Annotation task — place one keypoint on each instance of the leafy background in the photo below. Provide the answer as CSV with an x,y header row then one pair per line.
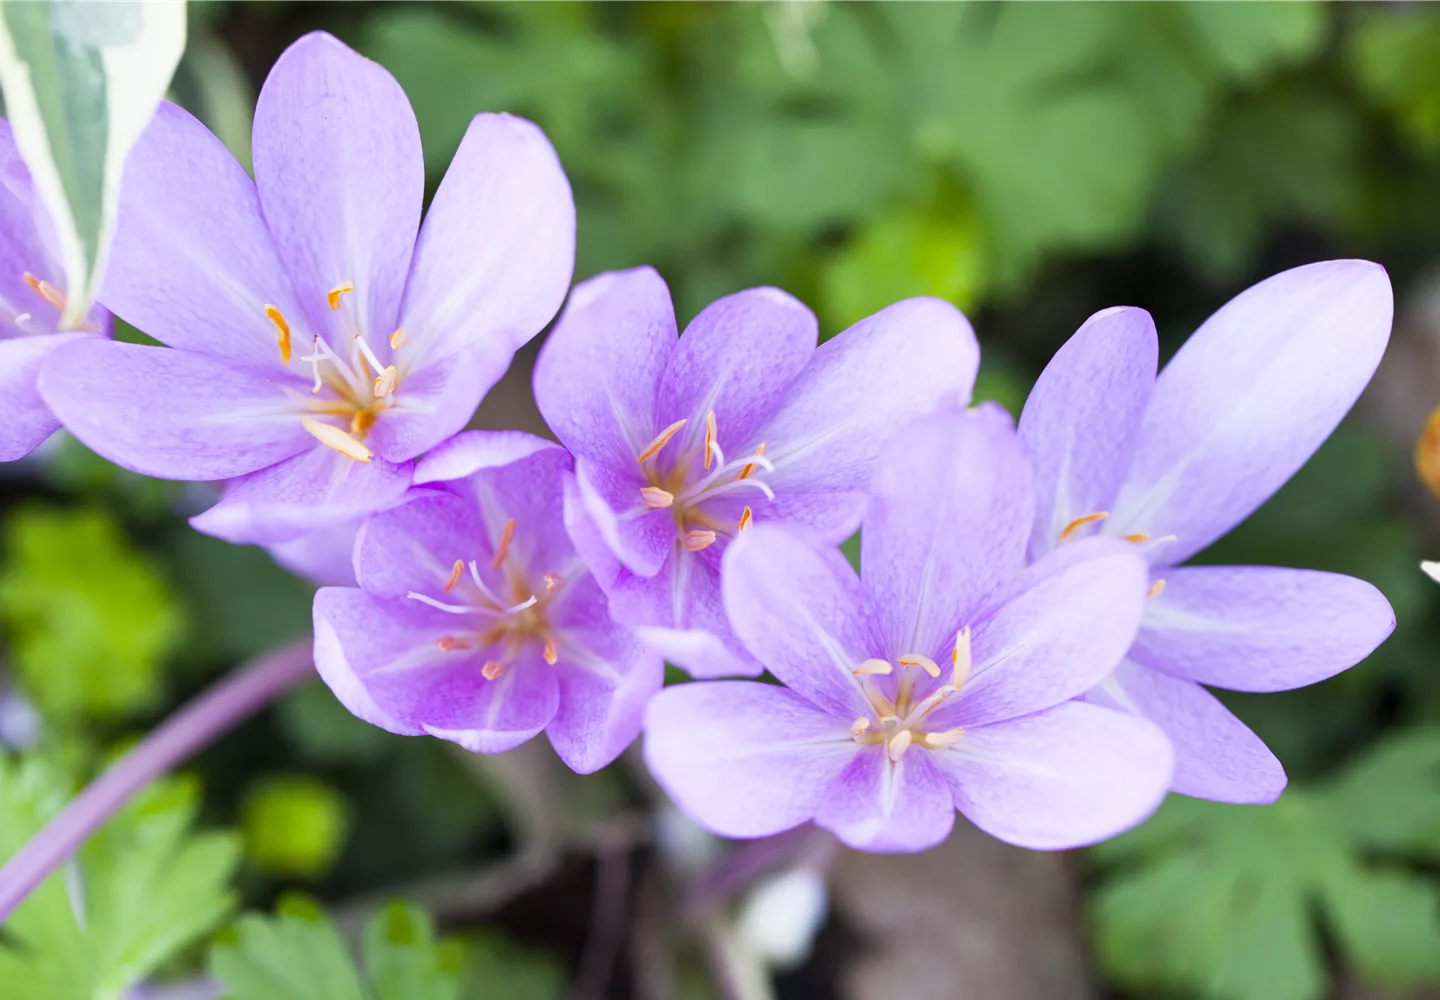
x,y
1032,163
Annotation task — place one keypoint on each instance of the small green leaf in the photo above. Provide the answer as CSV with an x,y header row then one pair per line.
x,y
89,618
81,82
140,890
299,955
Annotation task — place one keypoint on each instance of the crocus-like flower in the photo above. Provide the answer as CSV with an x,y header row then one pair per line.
x,y
316,345
938,680
476,621
1171,464
31,302
682,444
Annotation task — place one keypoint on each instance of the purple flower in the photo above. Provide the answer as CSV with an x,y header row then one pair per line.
x,y
1173,463
316,344
30,306
938,680
476,621
679,444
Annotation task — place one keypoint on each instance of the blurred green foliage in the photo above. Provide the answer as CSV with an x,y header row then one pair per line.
x,y
299,954
140,890
293,824
89,618
1222,900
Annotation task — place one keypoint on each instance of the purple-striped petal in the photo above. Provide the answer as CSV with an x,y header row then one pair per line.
x,y
640,538
25,420
1067,777
736,358
473,451
951,504
804,615
1216,755
906,361
1260,628
743,759
1249,398
1055,632
315,489
170,413
597,374
606,678
193,263
437,400
341,178
414,545
890,806
1082,416
497,249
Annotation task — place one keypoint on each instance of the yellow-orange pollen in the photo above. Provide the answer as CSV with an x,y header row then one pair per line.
x,y
361,387
672,485
900,722
502,617
45,290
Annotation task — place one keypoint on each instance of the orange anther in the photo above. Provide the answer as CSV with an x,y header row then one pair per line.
x,y
868,668
492,669
1156,589
746,516
709,437
699,538
448,643
333,437
653,448
1137,537
399,338
1080,522
553,581
859,725
550,653
745,472
503,549
655,497
282,332
333,296
385,383
455,572
45,290
923,662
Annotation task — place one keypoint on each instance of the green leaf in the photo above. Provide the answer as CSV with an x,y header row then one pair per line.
x,y
140,890
81,82
498,970
89,618
299,955
294,825
1221,901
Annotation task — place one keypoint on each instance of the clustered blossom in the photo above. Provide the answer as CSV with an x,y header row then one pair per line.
x,y
1020,644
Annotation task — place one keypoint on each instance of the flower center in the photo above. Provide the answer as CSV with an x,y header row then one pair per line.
x,y
902,722
698,475
356,389
509,613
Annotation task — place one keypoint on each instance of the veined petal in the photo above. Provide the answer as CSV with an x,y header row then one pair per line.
x,y
1260,628
1249,398
736,359
743,759
193,263
1082,416
437,400
341,178
1070,776
315,489
498,246
951,505
474,451
906,361
25,420
596,377
641,539
413,546
891,806
325,556
606,678
1054,633
1216,755
803,614
491,716
349,621
170,413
